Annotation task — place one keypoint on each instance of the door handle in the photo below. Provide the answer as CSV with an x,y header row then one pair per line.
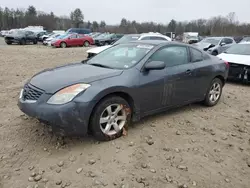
x,y
189,72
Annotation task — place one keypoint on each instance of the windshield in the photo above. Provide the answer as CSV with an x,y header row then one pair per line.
x,y
127,38
213,41
239,49
122,56
245,39
63,36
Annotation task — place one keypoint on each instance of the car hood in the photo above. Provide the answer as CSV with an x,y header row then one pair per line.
x,y
52,80
234,58
204,45
98,49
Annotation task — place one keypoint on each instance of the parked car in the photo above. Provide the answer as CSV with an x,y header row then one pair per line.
x,y
44,37
215,45
52,37
238,57
3,33
130,37
245,39
79,30
73,40
108,39
124,83
21,37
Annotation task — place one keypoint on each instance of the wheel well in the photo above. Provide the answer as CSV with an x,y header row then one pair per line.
x,y
222,79
123,95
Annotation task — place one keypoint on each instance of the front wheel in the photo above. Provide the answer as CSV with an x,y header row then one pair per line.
x,y
63,45
8,42
214,92
35,41
86,44
109,118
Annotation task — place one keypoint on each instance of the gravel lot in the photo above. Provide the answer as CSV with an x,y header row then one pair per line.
x,y
191,146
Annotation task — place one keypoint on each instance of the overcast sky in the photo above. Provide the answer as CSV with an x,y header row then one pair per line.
x,y
140,10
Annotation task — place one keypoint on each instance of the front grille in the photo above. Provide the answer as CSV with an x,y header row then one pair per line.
x,y
239,71
30,92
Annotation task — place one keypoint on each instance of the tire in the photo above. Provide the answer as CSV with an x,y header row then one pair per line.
x,y
8,42
215,53
212,101
63,45
35,41
110,119
86,44
22,42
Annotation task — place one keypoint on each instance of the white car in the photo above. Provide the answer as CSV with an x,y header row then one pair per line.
x,y
130,37
52,37
238,57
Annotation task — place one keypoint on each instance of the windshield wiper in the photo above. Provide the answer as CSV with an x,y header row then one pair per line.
x,y
100,65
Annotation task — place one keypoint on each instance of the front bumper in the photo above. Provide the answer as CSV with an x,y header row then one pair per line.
x,y
239,72
67,119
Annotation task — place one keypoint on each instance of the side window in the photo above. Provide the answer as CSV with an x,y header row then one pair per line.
x,y
145,38
228,41
157,38
172,56
196,55
73,36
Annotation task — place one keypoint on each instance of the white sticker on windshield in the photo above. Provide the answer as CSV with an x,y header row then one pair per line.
x,y
145,46
126,66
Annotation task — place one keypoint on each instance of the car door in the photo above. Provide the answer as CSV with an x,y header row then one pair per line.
x,y
202,72
72,41
171,86
225,44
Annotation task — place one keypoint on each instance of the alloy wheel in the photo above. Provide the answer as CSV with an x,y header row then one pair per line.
x,y
113,119
214,93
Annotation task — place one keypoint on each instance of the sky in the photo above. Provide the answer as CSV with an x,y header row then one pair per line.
x,y
161,11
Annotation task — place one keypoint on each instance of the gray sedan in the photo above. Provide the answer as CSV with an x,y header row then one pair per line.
x,y
122,84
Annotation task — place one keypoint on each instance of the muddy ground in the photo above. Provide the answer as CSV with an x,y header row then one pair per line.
x,y
192,146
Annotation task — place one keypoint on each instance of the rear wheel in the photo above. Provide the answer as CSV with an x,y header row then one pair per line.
x,y
23,42
214,92
86,44
63,45
109,118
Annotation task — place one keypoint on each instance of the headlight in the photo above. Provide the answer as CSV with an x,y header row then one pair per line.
x,y
67,94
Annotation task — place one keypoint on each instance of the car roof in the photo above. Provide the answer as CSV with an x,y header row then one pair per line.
x,y
157,42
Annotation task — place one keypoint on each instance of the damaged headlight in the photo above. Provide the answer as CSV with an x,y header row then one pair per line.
x,y
67,94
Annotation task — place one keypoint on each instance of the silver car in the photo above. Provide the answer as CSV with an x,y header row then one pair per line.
x,y
215,45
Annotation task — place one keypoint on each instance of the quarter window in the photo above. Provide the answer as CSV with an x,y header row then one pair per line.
x,y
172,56
196,55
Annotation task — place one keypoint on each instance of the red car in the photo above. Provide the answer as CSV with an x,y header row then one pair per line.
x,y
73,40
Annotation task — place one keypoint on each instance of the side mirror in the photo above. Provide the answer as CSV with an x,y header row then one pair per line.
x,y
155,65
223,44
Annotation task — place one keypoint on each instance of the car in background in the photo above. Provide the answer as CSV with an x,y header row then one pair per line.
x,y
245,39
21,37
215,45
238,57
108,39
74,39
122,84
3,33
44,37
79,30
52,37
127,38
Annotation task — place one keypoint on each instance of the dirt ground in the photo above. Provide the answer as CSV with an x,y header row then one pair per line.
x,y
192,146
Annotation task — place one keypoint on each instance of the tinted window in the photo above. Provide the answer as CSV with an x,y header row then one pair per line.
x,y
228,41
196,55
73,36
157,38
174,55
145,38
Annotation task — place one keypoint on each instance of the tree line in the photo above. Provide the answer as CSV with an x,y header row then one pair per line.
x,y
218,25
